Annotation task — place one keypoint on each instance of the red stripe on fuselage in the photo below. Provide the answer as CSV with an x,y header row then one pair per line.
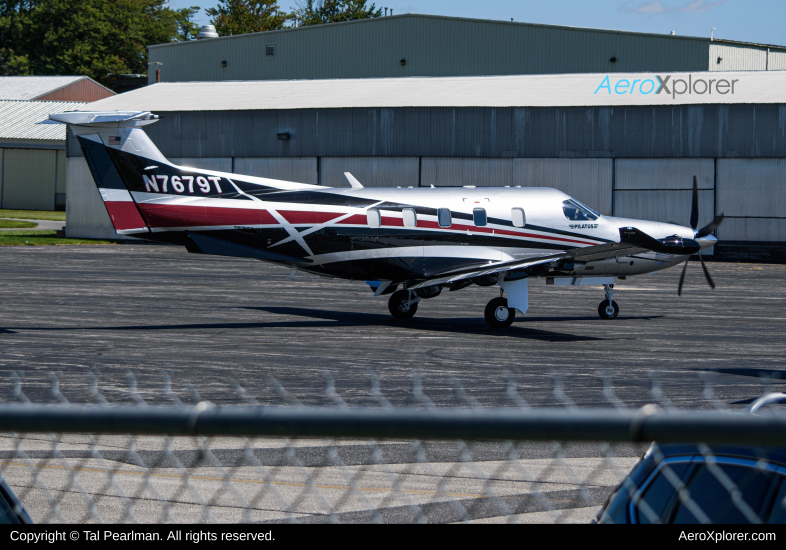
x,y
354,220
124,215
178,215
306,217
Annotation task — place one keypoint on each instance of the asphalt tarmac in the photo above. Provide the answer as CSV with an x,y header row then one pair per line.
x,y
132,314
111,310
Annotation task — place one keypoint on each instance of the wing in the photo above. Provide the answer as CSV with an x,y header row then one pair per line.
x,y
632,241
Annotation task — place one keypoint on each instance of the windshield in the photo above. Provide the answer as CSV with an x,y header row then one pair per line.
x,y
574,210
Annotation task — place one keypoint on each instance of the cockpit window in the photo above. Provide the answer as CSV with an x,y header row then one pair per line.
x,y
574,210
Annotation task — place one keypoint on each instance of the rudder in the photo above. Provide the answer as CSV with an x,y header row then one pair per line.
x,y
120,206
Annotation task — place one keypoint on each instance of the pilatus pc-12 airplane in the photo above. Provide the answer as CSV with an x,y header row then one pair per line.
x,y
409,243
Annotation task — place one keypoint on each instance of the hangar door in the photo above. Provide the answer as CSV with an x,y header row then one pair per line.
x,y
32,179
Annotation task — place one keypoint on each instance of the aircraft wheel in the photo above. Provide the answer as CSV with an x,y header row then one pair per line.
x,y
498,315
399,305
608,311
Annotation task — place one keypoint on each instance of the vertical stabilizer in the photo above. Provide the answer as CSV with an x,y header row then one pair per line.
x,y
100,132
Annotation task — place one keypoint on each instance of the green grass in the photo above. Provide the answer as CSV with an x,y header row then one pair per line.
x,y
41,237
16,223
33,215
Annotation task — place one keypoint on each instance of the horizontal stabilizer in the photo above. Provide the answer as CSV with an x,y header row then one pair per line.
x,y
220,247
108,119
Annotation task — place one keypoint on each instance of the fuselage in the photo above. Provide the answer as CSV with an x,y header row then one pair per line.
x,y
396,233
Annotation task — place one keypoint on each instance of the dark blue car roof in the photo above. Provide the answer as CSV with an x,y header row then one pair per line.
x,y
775,454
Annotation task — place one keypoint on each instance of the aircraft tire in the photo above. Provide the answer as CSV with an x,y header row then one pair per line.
x,y
397,305
603,311
496,311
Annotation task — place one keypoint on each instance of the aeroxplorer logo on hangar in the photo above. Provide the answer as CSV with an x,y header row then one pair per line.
x,y
667,84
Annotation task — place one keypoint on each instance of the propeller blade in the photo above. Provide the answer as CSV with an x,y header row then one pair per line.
x,y
710,227
706,272
682,278
694,210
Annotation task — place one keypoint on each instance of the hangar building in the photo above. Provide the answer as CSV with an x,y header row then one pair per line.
x,y
427,45
32,155
611,141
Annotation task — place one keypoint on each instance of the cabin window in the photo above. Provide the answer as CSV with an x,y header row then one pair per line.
x,y
575,211
410,218
443,217
518,217
373,218
479,216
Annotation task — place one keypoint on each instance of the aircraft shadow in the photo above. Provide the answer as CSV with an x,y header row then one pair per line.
x,y
753,373
594,318
460,325
314,318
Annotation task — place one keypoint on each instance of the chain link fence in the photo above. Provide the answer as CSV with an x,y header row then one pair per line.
x,y
114,452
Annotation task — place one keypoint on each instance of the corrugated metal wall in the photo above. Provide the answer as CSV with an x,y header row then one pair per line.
x,y
299,169
660,189
752,195
457,172
777,60
737,58
370,171
588,180
430,46
702,131
207,163
29,179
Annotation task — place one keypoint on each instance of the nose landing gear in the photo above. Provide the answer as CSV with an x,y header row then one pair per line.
x,y
608,308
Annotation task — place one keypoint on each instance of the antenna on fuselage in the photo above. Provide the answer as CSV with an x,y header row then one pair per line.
x,y
352,181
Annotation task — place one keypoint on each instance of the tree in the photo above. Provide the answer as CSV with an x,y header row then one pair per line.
x,y
186,28
244,16
96,38
333,11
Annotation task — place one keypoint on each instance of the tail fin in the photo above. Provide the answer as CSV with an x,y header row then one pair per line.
x,y
100,134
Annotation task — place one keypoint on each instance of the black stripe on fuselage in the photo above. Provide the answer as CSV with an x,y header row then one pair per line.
x,y
132,168
363,238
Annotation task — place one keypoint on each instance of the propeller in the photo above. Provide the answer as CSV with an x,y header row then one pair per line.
x,y
699,233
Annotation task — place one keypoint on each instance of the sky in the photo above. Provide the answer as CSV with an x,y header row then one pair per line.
x,y
761,21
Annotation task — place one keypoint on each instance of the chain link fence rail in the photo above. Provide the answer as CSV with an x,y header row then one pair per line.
x,y
252,462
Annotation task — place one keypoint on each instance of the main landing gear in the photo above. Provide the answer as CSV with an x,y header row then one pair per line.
x,y
608,308
498,314
403,304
